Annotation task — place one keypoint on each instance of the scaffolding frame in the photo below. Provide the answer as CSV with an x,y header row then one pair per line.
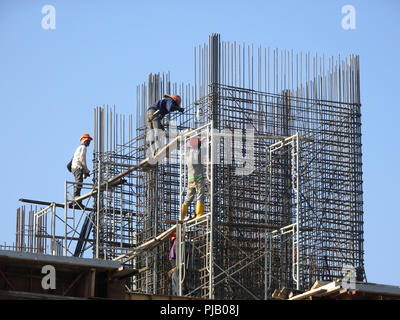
x,y
294,143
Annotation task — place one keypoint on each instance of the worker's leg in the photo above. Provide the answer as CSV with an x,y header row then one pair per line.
x,y
78,174
184,210
199,209
175,283
158,129
200,192
191,192
153,135
200,189
150,131
157,123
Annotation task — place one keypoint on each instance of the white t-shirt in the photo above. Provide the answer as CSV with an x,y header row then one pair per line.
x,y
79,157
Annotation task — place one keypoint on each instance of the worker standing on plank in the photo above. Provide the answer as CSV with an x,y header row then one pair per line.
x,y
156,113
79,166
196,184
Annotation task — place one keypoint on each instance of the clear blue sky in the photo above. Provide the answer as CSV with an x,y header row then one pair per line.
x,y
50,80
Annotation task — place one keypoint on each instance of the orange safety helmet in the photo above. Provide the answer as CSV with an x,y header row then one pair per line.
x,y
85,136
194,142
175,97
173,236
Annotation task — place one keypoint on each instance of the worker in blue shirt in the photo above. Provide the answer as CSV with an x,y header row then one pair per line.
x,y
156,113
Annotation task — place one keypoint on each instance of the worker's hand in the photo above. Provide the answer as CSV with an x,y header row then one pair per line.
x,y
86,173
170,272
181,110
156,115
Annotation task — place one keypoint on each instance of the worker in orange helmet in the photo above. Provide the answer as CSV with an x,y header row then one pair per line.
x,y
196,184
156,112
79,166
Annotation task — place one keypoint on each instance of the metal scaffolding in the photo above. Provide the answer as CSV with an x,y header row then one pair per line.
x,y
282,157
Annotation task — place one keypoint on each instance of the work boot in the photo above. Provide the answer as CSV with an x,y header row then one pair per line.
x,y
184,210
199,209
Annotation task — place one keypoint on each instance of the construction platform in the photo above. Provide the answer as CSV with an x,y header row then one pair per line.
x,y
336,290
21,278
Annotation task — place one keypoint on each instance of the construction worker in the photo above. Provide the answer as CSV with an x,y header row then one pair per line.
x,y
79,167
189,266
196,184
157,112
173,273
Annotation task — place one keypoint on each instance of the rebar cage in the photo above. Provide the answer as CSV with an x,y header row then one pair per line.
x,y
248,207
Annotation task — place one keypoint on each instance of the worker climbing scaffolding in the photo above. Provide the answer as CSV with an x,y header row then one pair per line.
x,y
196,184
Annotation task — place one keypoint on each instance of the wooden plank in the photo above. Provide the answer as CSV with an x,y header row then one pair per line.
x,y
308,294
318,284
127,272
58,205
150,244
116,180
331,292
42,203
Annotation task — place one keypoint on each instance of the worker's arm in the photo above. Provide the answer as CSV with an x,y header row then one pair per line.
x,y
84,165
156,114
85,168
170,272
172,106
